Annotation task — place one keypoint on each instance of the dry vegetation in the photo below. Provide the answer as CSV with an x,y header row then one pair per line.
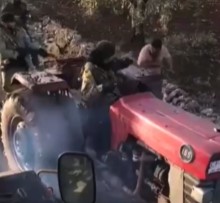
x,y
190,29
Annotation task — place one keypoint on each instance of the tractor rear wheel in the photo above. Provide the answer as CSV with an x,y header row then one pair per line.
x,y
36,129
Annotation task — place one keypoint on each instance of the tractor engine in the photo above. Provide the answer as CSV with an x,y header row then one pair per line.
x,y
142,171
163,153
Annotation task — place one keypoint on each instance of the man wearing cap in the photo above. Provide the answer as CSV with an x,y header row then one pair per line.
x,y
16,50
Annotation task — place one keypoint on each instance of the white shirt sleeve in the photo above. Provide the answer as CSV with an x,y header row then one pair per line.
x,y
143,57
165,53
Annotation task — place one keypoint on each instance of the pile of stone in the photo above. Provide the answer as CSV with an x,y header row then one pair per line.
x,y
201,104
178,97
59,41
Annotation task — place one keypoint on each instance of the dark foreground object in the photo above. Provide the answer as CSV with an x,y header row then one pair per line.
x,y
23,187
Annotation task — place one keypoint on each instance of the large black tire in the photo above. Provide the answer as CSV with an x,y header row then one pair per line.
x,y
11,107
57,123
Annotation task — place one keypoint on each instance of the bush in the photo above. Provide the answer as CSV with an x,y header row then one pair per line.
x,y
195,56
152,11
111,6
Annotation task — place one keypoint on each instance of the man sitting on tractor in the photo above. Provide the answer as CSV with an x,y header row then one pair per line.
x,y
99,89
151,58
16,50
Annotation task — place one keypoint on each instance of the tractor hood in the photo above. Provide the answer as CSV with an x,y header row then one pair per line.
x,y
167,130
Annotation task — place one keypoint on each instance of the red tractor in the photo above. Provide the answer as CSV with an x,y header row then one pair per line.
x,y
169,153
162,151
38,115
179,155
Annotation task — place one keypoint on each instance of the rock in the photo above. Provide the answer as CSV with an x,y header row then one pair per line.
x,y
85,49
60,41
200,104
45,21
171,96
53,49
177,101
183,105
207,112
169,88
186,99
193,106
62,38
165,98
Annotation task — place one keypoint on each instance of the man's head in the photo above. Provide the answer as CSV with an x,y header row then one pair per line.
x,y
156,46
102,53
106,48
8,20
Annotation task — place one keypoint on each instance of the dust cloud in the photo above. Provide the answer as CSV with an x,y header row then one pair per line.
x,y
61,125
59,128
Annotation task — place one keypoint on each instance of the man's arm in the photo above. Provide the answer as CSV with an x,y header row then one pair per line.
x,y
118,64
167,58
5,52
169,62
29,62
27,40
143,57
88,87
30,46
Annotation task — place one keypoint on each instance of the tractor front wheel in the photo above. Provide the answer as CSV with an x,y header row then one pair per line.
x,y
36,129
18,141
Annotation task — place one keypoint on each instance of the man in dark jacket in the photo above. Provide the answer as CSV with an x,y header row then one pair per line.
x,y
99,89
99,79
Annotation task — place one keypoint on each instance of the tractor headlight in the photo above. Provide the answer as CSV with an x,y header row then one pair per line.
x,y
214,167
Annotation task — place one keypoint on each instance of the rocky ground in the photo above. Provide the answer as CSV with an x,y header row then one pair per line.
x,y
202,104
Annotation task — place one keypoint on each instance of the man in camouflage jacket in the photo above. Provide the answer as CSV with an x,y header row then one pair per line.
x,y
99,89
16,50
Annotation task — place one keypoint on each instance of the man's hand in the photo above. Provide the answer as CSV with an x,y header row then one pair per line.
x,y
109,86
32,68
28,16
128,61
169,64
